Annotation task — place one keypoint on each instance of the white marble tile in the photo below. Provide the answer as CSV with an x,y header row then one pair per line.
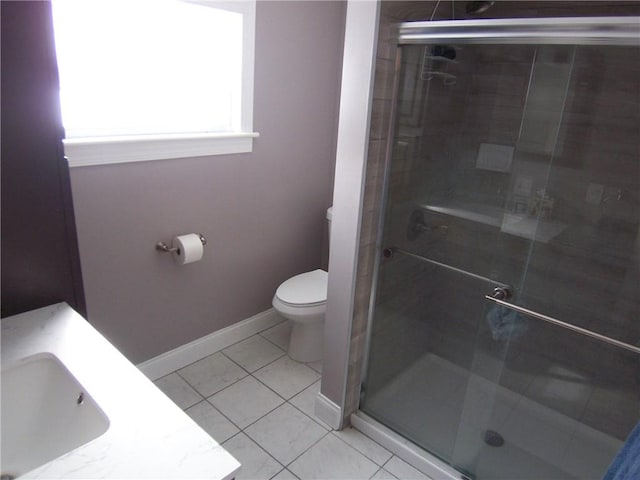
x,y
317,366
401,469
287,377
285,433
256,463
364,445
212,421
212,374
382,474
245,401
253,353
331,458
280,334
178,390
306,402
285,475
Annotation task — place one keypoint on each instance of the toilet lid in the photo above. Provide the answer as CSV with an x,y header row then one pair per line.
x,y
305,289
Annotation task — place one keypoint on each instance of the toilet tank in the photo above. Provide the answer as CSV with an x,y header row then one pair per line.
x,y
329,217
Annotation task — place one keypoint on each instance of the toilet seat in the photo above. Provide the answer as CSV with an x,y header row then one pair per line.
x,y
305,290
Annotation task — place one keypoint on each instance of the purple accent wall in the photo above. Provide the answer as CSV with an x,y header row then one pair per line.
x,y
263,213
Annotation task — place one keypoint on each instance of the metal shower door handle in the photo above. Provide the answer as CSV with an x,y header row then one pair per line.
x,y
559,323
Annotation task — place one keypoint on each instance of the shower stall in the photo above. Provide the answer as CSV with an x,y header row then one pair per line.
x,y
504,329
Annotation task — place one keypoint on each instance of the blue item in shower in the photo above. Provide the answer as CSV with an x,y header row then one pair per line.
x,y
626,465
505,323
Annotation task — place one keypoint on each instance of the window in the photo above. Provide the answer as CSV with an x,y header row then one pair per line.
x,y
154,79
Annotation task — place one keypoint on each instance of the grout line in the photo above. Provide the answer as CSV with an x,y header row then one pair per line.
x,y
309,365
279,394
227,418
284,400
285,468
254,335
258,419
323,425
194,362
377,472
249,338
260,447
326,428
310,447
358,451
385,463
283,320
192,387
224,388
334,432
265,365
235,363
271,341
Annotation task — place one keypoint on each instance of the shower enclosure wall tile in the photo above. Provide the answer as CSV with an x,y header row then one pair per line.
x,y
384,75
380,115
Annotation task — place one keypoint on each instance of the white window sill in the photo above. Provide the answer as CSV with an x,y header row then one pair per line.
x,y
82,152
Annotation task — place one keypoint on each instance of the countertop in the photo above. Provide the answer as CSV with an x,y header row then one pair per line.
x,y
148,436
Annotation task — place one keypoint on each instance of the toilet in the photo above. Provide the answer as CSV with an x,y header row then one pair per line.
x,y
302,299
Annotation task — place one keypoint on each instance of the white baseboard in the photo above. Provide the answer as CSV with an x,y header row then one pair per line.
x,y
403,448
191,352
329,412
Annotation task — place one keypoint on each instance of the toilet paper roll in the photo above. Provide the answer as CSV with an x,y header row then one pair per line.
x,y
190,248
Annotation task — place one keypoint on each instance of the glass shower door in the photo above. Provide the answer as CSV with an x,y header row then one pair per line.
x,y
571,324
459,116
514,178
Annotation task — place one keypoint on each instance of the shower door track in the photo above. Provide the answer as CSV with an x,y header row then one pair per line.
x,y
537,31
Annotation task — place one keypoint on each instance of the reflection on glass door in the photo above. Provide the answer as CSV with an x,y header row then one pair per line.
x,y
514,167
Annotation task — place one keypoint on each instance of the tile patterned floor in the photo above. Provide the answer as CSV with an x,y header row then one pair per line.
x,y
258,403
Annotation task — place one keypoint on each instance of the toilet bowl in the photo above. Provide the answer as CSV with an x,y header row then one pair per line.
x,y
302,299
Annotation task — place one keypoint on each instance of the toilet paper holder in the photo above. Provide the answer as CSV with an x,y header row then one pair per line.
x,y
163,247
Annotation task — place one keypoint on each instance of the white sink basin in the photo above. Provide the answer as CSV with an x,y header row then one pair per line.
x,y
126,428
45,413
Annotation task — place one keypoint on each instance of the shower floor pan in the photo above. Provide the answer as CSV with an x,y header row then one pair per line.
x,y
540,442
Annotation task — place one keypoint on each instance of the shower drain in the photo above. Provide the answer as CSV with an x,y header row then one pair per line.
x,y
493,438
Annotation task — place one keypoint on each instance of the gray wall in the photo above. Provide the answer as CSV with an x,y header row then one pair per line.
x,y
263,213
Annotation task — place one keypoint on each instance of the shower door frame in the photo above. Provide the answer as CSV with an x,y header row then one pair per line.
x,y
604,31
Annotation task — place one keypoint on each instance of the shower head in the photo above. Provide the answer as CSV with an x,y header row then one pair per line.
x,y
478,7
